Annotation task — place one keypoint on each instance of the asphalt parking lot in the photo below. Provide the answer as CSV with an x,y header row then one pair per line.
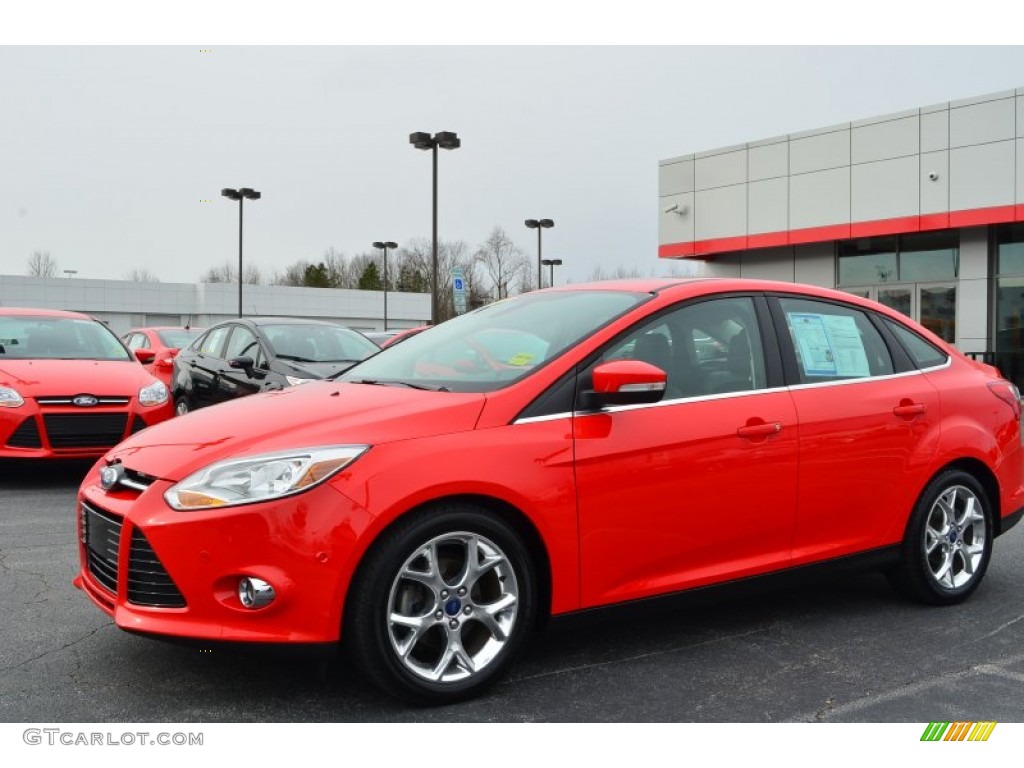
x,y
847,651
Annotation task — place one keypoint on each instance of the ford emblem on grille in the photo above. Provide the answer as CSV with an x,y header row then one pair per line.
x,y
111,476
85,401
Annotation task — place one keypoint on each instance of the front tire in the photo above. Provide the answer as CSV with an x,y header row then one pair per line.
x,y
441,605
181,406
949,541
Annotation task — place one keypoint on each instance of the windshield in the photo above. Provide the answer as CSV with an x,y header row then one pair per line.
x,y
178,337
496,345
58,338
318,343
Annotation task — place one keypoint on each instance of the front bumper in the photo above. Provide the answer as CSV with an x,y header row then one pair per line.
x,y
32,431
185,584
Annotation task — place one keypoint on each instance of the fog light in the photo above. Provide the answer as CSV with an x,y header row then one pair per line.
x,y
255,593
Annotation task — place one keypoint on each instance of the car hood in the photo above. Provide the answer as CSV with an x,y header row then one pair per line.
x,y
40,378
318,413
312,370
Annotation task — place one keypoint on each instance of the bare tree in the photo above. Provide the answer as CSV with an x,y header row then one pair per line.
x,y
450,254
502,260
226,273
42,264
619,273
142,275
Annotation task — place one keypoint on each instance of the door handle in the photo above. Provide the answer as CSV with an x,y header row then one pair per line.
x,y
759,430
910,410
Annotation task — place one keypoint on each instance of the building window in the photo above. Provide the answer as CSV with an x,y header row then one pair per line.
x,y
921,257
1009,335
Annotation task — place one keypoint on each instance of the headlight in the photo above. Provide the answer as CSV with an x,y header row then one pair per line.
x,y
258,478
295,380
154,394
9,398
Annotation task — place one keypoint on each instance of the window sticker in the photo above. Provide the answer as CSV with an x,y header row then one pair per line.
x,y
829,345
521,358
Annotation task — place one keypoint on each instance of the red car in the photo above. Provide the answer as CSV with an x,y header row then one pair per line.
x,y
68,386
157,347
432,516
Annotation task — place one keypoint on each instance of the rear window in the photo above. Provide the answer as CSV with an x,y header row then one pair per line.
x,y
923,353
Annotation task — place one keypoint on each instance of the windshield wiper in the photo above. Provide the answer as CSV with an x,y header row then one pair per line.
x,y
295,358
396,383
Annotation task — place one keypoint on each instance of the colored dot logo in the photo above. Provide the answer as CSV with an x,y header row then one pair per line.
x,y
206,50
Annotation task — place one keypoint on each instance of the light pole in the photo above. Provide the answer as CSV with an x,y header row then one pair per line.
x,y
539,225
240,195
444,140
552,263
384,245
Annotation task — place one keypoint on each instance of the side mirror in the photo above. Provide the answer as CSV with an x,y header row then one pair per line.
x,y
145,356
243,363
166,362
625,382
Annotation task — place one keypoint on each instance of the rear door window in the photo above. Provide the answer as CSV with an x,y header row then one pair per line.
x,y
832,342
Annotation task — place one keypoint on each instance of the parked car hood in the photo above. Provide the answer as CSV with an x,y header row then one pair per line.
x,y
40,378
318,413
314,370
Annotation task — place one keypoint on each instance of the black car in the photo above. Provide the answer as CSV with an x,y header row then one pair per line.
x,y
241,357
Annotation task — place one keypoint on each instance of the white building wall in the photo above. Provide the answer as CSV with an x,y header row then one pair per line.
x,y
125,305
973,291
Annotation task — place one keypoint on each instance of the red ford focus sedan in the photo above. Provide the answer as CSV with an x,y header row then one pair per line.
x,y
69,388
566,450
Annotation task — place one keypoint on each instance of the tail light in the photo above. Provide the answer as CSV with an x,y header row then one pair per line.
x,y
1008,393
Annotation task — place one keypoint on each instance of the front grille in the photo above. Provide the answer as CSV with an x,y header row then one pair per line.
x,y
137,424
148,581
101,534
26,435
85,430
70,399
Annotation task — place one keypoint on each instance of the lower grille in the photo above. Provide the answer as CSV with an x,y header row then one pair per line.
x,y
26,435
148,581
137,425
101,534
85,430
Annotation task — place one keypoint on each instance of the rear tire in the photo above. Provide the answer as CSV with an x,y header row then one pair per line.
x,y
948,543
441,605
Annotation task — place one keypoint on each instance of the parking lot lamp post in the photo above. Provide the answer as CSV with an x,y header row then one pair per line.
x,y
240,195
552,263
384,245
540,225
444,140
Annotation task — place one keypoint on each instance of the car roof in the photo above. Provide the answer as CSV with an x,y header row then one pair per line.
x,y
29,312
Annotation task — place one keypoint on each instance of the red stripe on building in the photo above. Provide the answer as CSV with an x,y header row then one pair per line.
x,y
930,221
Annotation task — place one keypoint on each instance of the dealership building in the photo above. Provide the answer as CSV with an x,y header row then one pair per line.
x,y
921,210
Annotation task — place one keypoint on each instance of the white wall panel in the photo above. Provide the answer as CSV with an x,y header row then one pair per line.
x,y
673,227
981,123
1020,116
982,176
819,152
885,190
819,199
935,194
882,141
1020,171
721,212
768,203
674,178
973,291
935,131
769,161
815,264
768,264
720,170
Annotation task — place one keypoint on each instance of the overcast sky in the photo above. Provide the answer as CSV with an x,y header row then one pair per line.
x,y
113,158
